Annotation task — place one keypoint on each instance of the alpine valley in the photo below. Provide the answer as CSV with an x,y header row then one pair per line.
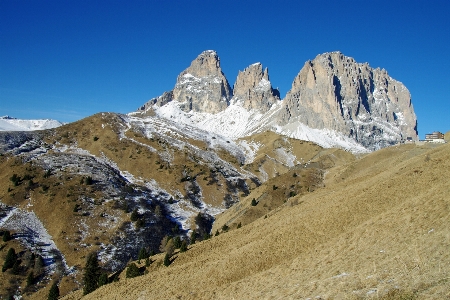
x,y
217,192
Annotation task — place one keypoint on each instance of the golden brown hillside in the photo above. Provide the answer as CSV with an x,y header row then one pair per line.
x,y
378,230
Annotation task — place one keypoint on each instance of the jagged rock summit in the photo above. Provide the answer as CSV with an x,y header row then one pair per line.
x,y
202,87
334,101
254,89
333,91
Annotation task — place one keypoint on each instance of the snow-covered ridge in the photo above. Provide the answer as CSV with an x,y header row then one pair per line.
x,y
8,123
236,122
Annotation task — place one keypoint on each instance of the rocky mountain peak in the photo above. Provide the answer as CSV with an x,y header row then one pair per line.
x,y
206,64
203,87
253,87
335,92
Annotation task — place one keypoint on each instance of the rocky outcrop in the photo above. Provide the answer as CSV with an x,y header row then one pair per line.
x,y
203,87
165,98
334,92
254,89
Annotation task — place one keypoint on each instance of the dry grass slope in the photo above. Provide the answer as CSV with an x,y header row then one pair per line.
x,y
379,229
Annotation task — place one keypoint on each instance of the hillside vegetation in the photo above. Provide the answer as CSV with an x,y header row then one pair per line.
x,y
377,229
114,184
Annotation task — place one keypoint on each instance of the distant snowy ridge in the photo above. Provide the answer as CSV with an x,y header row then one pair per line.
x,y
8,123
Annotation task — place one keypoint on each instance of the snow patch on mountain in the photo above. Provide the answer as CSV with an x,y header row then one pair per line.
x,y
236,122
31,232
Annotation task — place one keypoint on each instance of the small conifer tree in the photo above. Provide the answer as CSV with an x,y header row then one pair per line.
x,y
177,242
183,247
10,259
217,232
53,294
30,278
103,279
254,202
167,260
6,235
147,262
16,267
239,225
91,274
193,237
142,254
132,271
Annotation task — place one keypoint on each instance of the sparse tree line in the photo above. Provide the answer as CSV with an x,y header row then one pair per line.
x,y
21,264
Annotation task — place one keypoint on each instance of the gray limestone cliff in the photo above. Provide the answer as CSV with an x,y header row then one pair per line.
x,y
254,89
331,92
203,87
334,92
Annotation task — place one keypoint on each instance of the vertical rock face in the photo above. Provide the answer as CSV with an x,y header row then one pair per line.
x,y
203,87
334,92
254,89
331,92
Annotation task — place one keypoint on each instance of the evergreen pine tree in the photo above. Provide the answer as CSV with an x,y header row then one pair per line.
x,y
91,274
6,236
30,278
10,259
134,215
193,237
103,279
16,268
142,254
147,262
53,294
177,242
183,247
167,260
133,271
217,232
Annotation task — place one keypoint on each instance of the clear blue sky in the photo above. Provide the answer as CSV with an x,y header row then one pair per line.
x,y
66,60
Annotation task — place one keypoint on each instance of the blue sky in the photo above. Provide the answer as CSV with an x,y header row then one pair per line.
x,y
67,60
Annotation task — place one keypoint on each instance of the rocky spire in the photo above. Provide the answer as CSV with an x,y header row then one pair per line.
x,y
254,89
203,87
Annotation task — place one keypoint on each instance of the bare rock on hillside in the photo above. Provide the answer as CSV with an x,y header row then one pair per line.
x,y
335,92
253,87
165,98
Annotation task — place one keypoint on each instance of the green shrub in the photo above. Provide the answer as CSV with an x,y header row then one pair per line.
x,y
254,202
